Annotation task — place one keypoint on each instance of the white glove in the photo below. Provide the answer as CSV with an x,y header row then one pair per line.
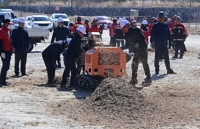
x,y
3,55
130,54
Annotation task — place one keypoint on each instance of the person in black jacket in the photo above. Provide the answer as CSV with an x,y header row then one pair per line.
x,y
160,35
20,41
136,43
50,55
73,51
60,33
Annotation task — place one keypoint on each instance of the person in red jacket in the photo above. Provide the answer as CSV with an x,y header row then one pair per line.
x,y
94,27
179,35
145,30
112,32
5,50
170,24
78,23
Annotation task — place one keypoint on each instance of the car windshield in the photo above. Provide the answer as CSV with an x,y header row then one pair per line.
x,y
41,19
15,21
63,16
102,18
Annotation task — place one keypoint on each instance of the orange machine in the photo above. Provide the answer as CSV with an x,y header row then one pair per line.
x,y
105,62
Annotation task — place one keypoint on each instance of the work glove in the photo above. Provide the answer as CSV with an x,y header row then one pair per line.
x,y
136,45
3,55
130,54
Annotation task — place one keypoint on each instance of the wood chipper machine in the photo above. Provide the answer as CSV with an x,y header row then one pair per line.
x,y
99,63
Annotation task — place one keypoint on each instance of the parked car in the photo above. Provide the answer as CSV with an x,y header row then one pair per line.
x,y
4,15
55,16
16,23
28,19
104,20
41,21
9,11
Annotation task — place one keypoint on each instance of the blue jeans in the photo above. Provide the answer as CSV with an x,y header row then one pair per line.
x,y
5,67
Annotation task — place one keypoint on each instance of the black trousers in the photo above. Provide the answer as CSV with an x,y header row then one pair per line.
x,y
50,66
113,41
179,45
5,67
140,55
20,55
65,73
161,51
69,66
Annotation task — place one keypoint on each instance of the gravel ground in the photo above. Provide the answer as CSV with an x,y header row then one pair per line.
x,y
171,102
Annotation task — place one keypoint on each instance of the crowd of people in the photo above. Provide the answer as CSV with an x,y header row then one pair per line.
x,y
164,34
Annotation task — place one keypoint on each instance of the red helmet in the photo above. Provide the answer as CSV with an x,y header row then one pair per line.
x,y
114,19
155,20
144,18
175,16
95,19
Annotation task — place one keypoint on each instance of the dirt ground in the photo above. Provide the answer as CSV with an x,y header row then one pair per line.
x,y
171,102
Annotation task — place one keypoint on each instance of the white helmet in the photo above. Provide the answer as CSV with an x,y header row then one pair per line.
x,y
81,29
120,20
60,19
134,21
21,20
144,22
123,23
86,19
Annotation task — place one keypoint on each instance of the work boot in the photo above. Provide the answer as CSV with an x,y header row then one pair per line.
x,y
170,71
180,57
133,82
175,57
147,81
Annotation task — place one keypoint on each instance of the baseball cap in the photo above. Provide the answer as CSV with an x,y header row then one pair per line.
x,y
123,23
81,29
7,21
60,19
161,14
21,20
78,18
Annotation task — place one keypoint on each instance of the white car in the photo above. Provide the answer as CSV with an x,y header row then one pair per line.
x,y
41,21
55,16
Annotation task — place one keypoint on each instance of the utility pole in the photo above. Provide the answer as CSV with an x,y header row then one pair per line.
x,y
49,8
21,7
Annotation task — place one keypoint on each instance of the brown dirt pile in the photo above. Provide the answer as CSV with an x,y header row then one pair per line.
x,y
114,104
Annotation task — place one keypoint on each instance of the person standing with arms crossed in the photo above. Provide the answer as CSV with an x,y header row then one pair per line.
x,y
20,41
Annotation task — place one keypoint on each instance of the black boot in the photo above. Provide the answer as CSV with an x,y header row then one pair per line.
x,y
133,82
170,71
